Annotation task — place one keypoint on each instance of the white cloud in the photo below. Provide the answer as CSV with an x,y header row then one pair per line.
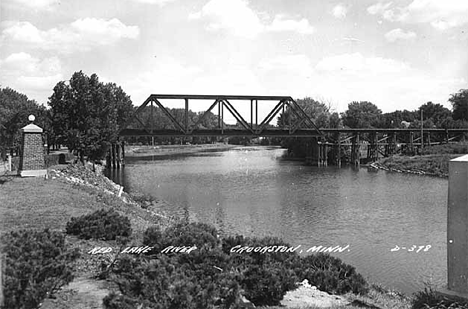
x,y
167,75
233,15
340,11
441,15
31,75
281,24
160,3
300,64
23,32
379,8
236,17
80,35
399,34
36,4
357,64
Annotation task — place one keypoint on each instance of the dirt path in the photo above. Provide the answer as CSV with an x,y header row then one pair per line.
x,y
81,293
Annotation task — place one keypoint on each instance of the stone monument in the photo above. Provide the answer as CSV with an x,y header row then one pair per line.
x,y
32,161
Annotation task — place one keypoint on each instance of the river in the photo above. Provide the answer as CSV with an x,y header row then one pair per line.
x,y
253,191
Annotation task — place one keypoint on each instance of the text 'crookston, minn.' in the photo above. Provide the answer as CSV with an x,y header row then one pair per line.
x,y
286,249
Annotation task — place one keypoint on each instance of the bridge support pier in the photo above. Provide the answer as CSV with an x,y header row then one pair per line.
x,y
115,155
372,150
338,155
411,143
356,151
314,152
322,153
391,144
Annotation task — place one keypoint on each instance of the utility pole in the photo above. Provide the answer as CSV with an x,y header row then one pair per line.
x,y
422,130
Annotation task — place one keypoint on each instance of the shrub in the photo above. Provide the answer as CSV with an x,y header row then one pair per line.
x,y
330,274
101,224
211,275
37,265
431,300
266,285
182,234
164,283
266,277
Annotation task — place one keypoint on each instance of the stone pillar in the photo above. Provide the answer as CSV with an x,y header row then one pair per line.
x,y
457,226
32,161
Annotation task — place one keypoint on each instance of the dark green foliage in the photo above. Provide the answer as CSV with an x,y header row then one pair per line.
x,y
37,264
428,299
182,234
361,115
330,274
101,224
86,114
459,148
165,283
318,112
266,284
460,105
15,108
212,275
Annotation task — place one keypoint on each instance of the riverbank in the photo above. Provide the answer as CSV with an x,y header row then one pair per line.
x,y
73,190
161,150
433,161
431,165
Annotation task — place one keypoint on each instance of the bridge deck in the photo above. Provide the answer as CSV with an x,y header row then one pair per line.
x,y
220,97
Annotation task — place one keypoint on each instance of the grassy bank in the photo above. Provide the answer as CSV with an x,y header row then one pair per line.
x,y
72,191
433,161
431,165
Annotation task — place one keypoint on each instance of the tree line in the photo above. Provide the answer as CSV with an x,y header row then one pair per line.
x,y
85,115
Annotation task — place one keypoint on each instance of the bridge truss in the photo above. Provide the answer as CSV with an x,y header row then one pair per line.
x,y
297,124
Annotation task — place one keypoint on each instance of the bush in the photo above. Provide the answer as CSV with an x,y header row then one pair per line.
x,y
431,300
212,275
266,285
182,234
266,277
330,274
163,283
37,265
101,224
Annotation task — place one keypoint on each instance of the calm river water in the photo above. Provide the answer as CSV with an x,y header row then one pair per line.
x,y
252,191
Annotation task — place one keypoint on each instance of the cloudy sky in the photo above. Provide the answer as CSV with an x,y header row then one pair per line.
x,y
397,54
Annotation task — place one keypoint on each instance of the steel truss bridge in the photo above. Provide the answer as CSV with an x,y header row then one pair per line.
x,y
299,123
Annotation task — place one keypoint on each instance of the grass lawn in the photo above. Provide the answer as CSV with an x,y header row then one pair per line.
x,y
50,203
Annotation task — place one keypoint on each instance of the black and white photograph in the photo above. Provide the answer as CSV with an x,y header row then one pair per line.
x,y
229,154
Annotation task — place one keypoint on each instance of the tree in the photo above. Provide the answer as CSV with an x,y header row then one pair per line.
x,y
15,108
335,120
86,114
460,105
317,111
361,115
434,112
395,119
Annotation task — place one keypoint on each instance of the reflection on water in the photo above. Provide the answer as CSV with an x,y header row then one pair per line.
x,y
253,191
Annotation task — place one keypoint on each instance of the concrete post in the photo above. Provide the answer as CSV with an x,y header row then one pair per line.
x,y
32,161
457,227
